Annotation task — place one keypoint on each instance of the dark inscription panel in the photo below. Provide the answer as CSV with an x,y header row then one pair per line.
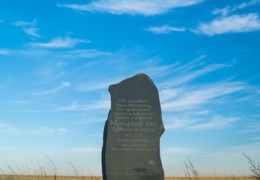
x,y
132,134
133,119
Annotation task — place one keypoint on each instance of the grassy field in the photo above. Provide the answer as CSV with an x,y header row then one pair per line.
x,y
190,174
27,177
208,178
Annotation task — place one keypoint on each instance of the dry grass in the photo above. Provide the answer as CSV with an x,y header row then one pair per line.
x,y
27,177
190,173
31,177
209,178
254,168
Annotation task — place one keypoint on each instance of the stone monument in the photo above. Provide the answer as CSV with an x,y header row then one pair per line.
x,y
131,146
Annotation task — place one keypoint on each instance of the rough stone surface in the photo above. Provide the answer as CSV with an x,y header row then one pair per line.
x,y
131,146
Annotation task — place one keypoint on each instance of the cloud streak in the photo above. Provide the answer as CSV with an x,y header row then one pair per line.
x,y
214,123
230,24
29,28
229,9
166,29
7,128
196,122
6,52
190,75
59,42
247,4
132,7
181,122
250,149
194,98
52,91
45,131
85,150
176,150
90,106
97,85
85,53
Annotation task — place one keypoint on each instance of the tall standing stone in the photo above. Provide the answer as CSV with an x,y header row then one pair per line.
x,y
131,147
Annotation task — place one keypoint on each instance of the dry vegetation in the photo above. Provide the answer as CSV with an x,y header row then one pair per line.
x,y
27,177
190,174
209,178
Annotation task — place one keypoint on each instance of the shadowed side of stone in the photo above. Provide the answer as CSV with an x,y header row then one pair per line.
x,y
131,146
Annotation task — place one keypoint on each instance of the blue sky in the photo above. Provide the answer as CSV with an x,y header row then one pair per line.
x,y
58,57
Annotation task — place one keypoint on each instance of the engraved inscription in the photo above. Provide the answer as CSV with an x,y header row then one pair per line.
x,y
134,120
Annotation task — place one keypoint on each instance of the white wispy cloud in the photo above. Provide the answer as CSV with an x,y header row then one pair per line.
x,y
214,123
249,3
60,42
21,101
256,115
183,70
133,7
230,155
85,150
91,120
189,72
252,128
85,53
32,31
103,104
246,98
52,91
166,29
28,52
182,122
230,24
195,122
202,95
222,11
251,149
5,52
202,112
46,131
256,138
190,75
29,28
176,150
7,128
24,23
21,52
156,71
97,85
230,9
53,71
167,94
